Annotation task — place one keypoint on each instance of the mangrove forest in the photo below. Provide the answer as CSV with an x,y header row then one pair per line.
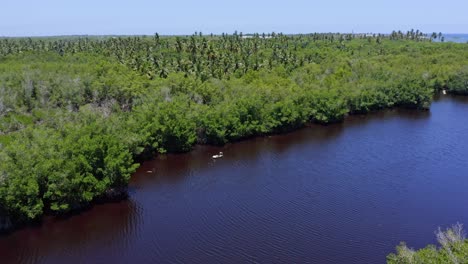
x,y
78,114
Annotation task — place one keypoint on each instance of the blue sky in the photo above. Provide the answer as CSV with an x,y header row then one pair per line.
x,y
98,17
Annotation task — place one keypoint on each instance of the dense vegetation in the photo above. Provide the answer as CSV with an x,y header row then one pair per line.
x,y
453,249
77,114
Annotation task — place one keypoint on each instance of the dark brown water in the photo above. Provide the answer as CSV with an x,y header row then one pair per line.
x,y
345,193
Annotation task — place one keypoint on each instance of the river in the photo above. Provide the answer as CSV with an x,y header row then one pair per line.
x,y
342,193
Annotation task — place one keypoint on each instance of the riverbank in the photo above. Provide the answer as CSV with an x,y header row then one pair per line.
x,y
74,120
121,193
113,195
351,190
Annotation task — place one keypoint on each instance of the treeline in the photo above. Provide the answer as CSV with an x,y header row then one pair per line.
x,y
77,114
211,56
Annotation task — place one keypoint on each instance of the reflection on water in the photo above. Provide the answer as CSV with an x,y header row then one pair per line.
x,y
173,168
67,239
342,193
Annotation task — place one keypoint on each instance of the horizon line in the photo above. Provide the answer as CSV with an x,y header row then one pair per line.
x,y
214,34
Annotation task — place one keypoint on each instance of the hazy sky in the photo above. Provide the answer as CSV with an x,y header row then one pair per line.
x,y
61,17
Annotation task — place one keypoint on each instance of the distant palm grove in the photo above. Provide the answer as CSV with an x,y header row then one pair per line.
x,y
78,113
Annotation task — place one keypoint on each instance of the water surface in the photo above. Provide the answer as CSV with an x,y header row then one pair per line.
x,y
343,193
458,38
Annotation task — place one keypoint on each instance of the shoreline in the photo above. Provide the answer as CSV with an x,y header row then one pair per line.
x,y
8,226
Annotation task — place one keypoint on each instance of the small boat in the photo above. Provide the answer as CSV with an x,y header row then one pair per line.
x,y
217,156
